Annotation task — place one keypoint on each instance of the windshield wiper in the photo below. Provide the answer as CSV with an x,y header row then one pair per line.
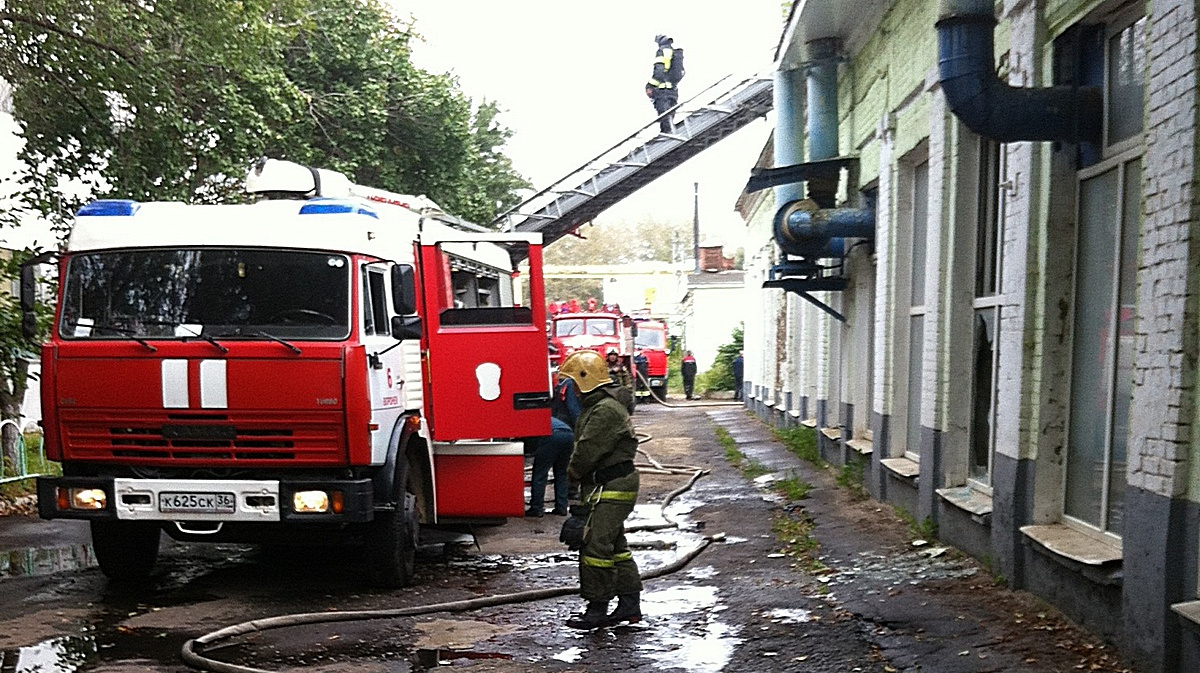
x,y
128,333
295,349
206,337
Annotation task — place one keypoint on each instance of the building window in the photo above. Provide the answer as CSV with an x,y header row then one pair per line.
x,y
918,212
985,356
1105,296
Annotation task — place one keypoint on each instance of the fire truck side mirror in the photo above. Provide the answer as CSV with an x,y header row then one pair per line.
x,y
406,327
404,289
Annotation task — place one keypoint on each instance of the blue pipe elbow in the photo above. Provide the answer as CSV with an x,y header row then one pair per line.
x,y
992,108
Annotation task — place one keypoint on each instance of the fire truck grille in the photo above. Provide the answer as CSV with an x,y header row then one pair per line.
x,y
209,439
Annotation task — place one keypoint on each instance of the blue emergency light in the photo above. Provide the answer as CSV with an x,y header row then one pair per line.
x,y
332,206
109,208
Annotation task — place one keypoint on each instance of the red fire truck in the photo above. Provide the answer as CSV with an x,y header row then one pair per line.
x,y
595,331
651,344
331,363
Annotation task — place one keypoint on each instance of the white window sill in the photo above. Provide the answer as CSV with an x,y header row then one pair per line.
x,y
905,468
1074,545
971,501
833,434
794,413
809,423
863,446
1190,611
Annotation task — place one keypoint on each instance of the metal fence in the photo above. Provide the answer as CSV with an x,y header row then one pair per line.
x,y
21,470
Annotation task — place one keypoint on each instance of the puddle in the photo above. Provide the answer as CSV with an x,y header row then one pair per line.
x,y
570,655
26,562
679,641
785,616
65,654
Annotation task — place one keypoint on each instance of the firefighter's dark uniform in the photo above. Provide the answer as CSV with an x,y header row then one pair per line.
x,y
605,446
659,88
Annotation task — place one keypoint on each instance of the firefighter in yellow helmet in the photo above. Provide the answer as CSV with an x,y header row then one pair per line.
x,y
602,465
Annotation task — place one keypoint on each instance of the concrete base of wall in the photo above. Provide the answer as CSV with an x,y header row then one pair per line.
x,y
959,528
1094,605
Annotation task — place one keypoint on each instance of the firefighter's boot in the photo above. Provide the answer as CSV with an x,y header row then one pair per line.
x,y
629,609
594,617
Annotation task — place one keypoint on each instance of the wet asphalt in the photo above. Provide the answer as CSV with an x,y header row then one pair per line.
x,y
864,599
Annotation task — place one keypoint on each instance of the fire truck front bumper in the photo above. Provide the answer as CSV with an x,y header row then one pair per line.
x,y
212,500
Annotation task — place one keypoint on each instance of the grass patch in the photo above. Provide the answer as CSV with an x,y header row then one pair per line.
x,y
749,467
924,529
35,463
802,441
796,536
793,488
852,477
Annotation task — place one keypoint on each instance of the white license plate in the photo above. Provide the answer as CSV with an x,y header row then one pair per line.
x,y
197,503
656,383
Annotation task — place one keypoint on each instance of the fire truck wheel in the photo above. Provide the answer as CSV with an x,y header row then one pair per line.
x,y
394,546
126,550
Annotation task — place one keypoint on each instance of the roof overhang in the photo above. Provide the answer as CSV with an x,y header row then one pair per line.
x,y
853,22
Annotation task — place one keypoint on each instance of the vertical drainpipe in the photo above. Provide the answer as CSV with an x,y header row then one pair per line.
x,y
789,129
823,113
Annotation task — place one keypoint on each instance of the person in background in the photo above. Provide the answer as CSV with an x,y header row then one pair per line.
x,y
688,370
618,371
738,369
552,452
602,464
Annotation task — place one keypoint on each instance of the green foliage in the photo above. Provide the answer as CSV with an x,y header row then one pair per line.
x,y
802,441
749,467
173,99
796,536
851,476
35,463
925,529
793,488
720,375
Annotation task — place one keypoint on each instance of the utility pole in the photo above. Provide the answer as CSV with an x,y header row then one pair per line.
x,y
696,225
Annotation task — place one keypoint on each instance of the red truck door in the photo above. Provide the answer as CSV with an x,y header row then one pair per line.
x,y
487,356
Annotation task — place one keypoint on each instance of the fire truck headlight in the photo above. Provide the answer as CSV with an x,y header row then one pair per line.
x,y
310,502
88,498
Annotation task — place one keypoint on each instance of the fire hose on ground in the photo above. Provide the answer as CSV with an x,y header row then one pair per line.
x,y
192,652
665,403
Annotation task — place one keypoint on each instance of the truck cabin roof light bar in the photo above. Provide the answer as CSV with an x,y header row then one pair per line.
x,y
109,208
332,206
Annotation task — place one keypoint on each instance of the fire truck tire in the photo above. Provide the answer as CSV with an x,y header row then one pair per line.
x,y
126,550
394,545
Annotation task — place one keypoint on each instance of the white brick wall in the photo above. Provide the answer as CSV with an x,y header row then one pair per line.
x,y
1165,361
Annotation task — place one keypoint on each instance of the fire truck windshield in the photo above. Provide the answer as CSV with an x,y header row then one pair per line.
x,y
648,337
202,293
577,326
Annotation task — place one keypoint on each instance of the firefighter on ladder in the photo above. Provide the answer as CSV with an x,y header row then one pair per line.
x,y
602,464
662,88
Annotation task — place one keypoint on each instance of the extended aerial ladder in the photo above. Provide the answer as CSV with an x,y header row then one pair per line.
x,y
639,159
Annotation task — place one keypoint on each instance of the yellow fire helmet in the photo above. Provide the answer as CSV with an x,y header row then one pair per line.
x,y
587,369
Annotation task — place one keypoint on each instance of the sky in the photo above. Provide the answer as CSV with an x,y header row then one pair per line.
x,y
569,78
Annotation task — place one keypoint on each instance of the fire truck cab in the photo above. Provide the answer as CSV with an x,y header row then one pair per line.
x,y
332,363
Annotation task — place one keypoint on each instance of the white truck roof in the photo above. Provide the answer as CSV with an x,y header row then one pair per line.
x,y
351,219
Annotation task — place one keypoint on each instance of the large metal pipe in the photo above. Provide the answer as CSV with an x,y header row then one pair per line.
x,y
789,129
822,98
991,107
811,228
806,231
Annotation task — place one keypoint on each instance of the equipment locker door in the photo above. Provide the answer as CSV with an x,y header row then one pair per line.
x,y
487,354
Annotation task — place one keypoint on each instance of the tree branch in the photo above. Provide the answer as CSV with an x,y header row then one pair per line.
x,y
13,17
